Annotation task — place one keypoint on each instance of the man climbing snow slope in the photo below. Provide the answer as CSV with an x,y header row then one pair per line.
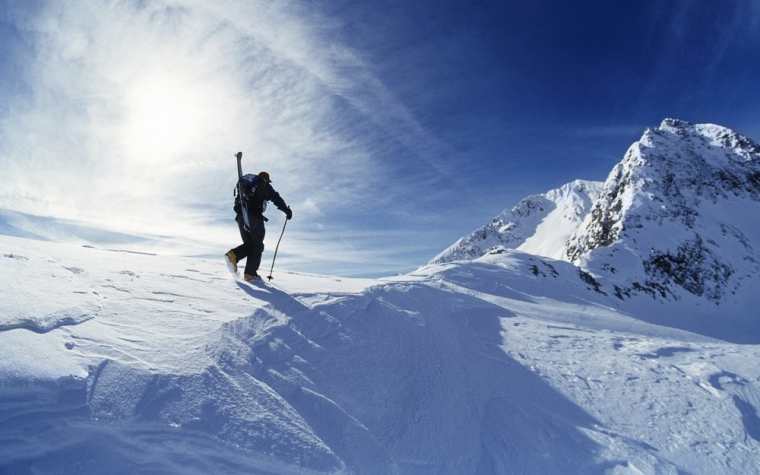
x,y
251,196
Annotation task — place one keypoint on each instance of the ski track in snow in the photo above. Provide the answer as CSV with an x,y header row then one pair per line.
x,y
482,367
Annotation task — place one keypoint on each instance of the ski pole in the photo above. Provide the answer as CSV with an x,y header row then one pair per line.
x,y
276,249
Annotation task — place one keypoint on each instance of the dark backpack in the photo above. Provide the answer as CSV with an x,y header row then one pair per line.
x,y
244,191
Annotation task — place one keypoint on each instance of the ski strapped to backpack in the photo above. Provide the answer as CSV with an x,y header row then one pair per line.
x,y
243,193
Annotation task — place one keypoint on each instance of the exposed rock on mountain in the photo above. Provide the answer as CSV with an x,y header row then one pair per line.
x,y
676,214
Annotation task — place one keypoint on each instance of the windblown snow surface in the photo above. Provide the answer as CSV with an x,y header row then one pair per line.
x,y
508,362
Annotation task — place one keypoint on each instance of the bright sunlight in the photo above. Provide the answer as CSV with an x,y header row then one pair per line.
x,y
166,115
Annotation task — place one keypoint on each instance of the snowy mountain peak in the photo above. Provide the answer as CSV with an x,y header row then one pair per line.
x,y
672,123
712,135
675,217
576,189
675,214
538,224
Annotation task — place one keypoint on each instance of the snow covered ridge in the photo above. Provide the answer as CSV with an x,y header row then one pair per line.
x,y
509,363
539,224
678,215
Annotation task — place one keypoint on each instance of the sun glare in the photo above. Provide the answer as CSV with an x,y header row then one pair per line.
x,y
165,116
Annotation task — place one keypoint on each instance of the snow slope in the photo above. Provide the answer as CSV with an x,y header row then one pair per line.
x,y
634,350
539,224
511,363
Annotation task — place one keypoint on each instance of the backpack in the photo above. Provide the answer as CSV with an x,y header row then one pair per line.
x,y
243,193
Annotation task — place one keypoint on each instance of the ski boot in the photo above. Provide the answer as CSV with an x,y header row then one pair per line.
x,y
232,261
251,278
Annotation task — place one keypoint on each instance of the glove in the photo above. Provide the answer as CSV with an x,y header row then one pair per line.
x,y
288,213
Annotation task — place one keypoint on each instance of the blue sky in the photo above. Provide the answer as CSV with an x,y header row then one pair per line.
x,y
392,128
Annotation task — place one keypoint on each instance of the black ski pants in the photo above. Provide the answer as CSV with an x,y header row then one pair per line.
x,y
252,247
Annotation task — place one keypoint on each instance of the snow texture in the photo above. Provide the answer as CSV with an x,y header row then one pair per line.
x,y
536,360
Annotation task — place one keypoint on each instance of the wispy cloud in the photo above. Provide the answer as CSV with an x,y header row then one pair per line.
x,y
134,109
699,36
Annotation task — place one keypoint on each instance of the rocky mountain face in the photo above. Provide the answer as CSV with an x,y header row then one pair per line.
x,y
677,217
538,224
677,214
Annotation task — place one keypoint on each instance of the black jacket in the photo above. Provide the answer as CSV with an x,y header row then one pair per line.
x,y
256,203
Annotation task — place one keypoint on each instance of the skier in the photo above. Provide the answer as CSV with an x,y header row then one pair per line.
x,y
252,229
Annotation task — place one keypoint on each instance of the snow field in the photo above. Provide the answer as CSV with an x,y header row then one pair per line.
x,y
509,364
595,328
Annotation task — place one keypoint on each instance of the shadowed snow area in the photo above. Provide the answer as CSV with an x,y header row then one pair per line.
x,y
596,328
512,363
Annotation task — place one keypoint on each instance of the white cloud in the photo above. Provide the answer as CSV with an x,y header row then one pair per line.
x,y
309,207
135,109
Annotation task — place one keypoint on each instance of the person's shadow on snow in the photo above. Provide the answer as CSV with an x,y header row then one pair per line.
x,y
278,299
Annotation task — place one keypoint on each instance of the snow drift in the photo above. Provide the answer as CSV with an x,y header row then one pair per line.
x,y
549,345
